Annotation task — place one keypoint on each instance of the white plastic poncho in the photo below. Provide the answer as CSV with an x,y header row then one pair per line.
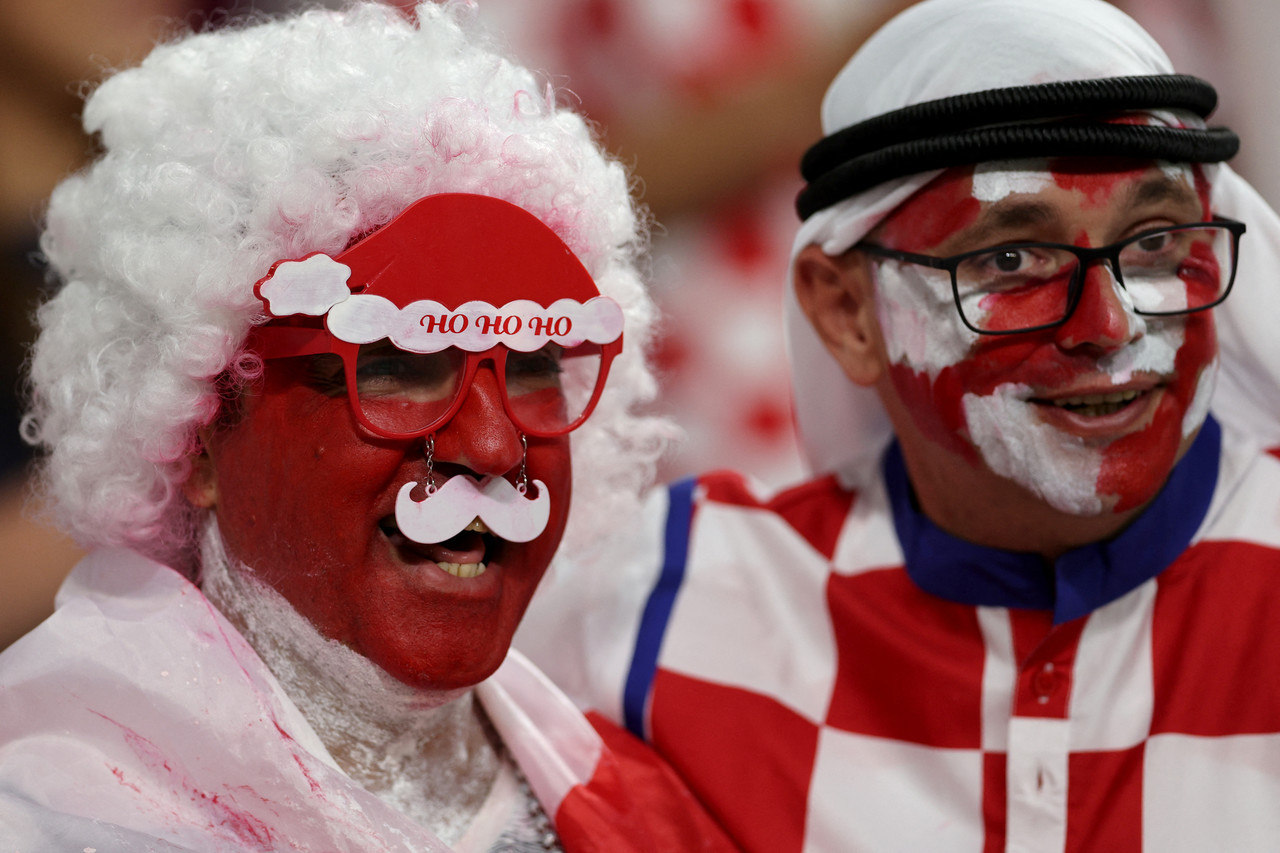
x,y
942,48
137,719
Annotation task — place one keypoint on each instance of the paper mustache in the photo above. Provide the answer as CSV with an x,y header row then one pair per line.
x,y
448,510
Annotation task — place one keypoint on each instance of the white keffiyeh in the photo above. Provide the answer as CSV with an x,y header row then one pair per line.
x,y
941,48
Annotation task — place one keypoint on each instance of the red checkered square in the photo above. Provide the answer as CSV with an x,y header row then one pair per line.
x,y
1104,806
749,758
1217,627
995,800
909,665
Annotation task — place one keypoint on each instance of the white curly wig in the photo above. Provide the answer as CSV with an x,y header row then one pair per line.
x,y
229,150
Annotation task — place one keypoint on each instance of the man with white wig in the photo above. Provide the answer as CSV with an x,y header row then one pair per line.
x,y
1026,602
333,299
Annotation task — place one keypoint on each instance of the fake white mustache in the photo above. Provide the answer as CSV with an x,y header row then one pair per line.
x,y
452,507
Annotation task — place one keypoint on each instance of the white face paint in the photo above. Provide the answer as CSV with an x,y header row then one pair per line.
x,y
1057,466
923,331
917,312
1179,172
1199,408
993,182
1060,468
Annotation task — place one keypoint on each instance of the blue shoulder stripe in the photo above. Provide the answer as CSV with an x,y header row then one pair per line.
x,y
657,610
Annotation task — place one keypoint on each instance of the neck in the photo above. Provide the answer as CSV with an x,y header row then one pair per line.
x,y
429,754
1008,516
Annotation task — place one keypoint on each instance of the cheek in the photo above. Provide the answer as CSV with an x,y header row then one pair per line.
x,y
1197,355
918,319
935,406
549,460
1202,273
294,478
934,360
937,401
1023,309
1135,466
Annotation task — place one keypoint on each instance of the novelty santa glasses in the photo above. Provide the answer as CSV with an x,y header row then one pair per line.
x,y
1026,287
397,393
417,307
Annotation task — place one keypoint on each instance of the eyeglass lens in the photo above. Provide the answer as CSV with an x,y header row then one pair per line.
x,y
1027,285
403,392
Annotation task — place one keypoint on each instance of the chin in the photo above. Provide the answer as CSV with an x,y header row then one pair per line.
x,y
453,672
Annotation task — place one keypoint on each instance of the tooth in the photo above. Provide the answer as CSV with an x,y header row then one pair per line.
x,y
1092,401
478,526
463,570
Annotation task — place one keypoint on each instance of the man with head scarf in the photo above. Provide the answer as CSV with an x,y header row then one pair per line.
x,y
333,300
1029,600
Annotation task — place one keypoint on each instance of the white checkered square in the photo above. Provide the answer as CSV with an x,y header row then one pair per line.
x,y
868,540
780,582
1219,793
1112,693
875,795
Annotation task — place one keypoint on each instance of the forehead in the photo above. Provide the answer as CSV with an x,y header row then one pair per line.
x,y
972,206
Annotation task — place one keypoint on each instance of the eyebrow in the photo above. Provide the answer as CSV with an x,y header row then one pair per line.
x,y
1006,216
1011,215
1161,188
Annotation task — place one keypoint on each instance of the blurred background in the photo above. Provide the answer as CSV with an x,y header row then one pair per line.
x,y
710,102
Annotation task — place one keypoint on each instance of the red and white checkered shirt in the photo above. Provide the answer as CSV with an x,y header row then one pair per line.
x,y
781,655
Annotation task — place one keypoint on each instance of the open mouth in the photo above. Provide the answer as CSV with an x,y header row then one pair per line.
x,y
1094,405
463,555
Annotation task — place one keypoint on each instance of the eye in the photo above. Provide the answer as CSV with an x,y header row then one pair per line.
x,y
1014,261
1154,242
1007,263
1007,260
325,373
1012,268
384,370
531,370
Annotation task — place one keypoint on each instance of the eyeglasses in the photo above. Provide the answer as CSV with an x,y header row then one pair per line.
x,y
399,394
1026,287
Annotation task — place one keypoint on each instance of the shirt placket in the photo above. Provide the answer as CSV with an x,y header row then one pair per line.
x,y
1039,744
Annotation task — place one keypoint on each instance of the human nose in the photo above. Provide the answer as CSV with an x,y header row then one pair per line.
x,y
481,436
1104,317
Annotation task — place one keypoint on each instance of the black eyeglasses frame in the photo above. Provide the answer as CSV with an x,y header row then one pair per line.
x,y
1086,256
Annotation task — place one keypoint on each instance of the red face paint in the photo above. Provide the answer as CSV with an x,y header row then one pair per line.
x,y
303,495
1094,181
306,495
932,215
995,400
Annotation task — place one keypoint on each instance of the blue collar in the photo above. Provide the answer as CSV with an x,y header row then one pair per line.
x,y
1079,581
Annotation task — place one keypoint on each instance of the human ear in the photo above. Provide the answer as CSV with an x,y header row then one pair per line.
x,y
836,295
201,485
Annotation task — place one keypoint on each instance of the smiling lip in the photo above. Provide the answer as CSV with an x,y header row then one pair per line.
x,y
462,556
1100,414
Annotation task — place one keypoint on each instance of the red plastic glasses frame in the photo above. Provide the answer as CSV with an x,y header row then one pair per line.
x,y
272,341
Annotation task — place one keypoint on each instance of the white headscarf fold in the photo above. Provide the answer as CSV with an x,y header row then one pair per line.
x,y
942,48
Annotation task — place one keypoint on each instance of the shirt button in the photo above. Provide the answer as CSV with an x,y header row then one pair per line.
x,y
1044,682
